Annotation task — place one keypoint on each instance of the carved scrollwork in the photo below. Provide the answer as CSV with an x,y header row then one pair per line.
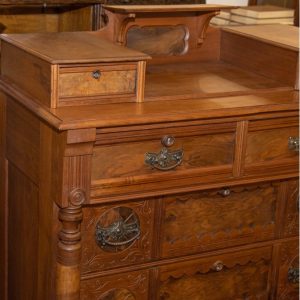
x,y
132,286
77,197
117,294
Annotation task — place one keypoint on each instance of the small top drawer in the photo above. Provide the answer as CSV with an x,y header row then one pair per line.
x,y
272,146
97,84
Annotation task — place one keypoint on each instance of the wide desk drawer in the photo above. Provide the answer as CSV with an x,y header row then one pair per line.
x,y
167,158
104,83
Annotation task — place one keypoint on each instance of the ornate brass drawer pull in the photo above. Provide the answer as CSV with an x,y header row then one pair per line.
x,y
96,74
293,275
293,143
165,159
120,233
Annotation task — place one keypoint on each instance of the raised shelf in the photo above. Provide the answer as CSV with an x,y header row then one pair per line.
x,y
126,9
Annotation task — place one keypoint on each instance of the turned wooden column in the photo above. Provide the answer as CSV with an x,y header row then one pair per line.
x,y
69,248
76,154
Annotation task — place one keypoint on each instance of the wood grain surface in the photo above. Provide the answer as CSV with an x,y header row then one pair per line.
x,y
244,273
275,34
197,80
132,286
291,214
198,222
221,225
164,8
72,47
288,258
254,55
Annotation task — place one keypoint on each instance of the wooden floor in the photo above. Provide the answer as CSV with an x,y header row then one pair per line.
x,y
194,80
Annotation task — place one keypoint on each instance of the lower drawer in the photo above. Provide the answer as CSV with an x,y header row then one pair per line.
x,y
127,286
221,218
288,271
116,235
237,276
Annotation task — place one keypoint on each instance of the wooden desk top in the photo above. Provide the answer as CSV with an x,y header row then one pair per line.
x,y
147,113
280,35
72,47
152,112
165,8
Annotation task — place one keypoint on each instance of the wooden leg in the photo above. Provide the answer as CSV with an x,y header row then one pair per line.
x,y
69,254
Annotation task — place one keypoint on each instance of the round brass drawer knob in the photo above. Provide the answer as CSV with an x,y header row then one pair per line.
x,y
218,266
96,74
225,192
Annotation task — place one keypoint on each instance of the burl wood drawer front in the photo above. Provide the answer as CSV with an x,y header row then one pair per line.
x,y
272,143
288,271
127,286
116,235
217,219
99,80
137,161
241,275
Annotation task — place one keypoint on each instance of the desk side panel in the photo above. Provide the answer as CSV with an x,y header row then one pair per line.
x,y
268,60
31,213
3,202
28,72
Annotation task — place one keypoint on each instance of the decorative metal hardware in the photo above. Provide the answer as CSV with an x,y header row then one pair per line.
x,y
165,159
293,143
218,266
225,192
96,74
124,230
168,140
293,275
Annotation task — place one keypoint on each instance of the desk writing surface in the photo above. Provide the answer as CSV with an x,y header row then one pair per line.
x,y
108,115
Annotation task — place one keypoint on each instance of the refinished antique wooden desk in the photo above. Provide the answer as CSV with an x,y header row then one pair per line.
x,y
154,159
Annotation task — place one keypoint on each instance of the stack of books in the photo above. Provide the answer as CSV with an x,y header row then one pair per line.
x,y
252,15
223,19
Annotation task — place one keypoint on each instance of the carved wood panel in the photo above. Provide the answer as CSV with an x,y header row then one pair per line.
x,y
242,275
128,286
220,218
158,40
288,276
291,218
95,257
